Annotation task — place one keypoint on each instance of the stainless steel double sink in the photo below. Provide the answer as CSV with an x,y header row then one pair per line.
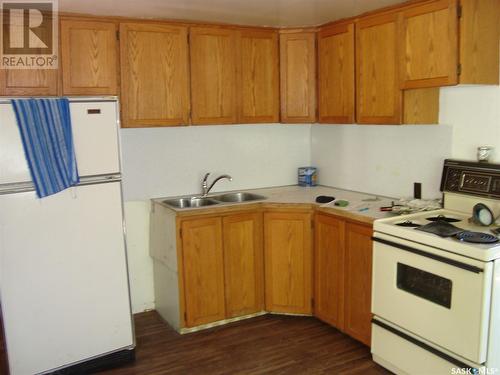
x,y
194,202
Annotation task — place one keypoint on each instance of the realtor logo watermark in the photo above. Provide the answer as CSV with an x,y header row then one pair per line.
x,y
29,37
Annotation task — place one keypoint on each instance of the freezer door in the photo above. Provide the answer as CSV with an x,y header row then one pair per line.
x,y
95,134
63,277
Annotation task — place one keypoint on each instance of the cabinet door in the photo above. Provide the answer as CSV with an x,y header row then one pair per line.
x,y
203,270
329,270
479,47
213,75
259,83
26,82
429,45
379,98
89,58
358,281
154,71
243,264
336,74
298,77
288,262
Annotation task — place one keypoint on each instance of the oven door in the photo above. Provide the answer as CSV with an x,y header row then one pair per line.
x,y
439,296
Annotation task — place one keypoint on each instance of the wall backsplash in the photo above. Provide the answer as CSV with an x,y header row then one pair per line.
x,y
159,162
383,160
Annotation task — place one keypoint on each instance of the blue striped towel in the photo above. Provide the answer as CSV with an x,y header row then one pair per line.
x,y
45,127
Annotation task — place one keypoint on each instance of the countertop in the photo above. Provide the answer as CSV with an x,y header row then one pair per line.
x,y
362,206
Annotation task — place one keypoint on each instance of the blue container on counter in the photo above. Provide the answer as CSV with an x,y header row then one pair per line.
x,y
307,176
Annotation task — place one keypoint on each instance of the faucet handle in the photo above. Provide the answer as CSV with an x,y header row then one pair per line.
x,y
206,177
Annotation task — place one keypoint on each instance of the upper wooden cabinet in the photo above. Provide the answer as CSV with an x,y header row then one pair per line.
x,y
243,263
259,79
203,259
429,45
213,75
25,82
298,77
89,58
154,72
479,46
288,262
336,74
379,97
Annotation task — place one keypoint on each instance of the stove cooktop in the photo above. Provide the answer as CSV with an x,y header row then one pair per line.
x,y
477,242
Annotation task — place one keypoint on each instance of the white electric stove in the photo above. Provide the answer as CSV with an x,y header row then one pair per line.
x,y
436,297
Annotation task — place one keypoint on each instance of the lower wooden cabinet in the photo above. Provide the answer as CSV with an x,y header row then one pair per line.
x,y
203,272
222,267
329,270
343,269
243,264
288,262
358,281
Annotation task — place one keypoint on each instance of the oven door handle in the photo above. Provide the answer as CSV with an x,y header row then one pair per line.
x,y
439,258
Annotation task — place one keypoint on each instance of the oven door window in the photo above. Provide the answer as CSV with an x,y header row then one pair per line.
x,y
424,284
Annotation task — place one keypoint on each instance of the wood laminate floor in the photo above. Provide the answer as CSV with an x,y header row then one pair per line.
x,y
269,344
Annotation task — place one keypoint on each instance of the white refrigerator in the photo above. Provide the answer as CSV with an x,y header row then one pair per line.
x,y
64,291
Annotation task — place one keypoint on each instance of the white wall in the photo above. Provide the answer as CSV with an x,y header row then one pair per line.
x,y
474,113
159,162
390,158
384,160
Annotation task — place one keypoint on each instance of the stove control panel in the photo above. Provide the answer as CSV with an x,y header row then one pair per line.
x,y
480,179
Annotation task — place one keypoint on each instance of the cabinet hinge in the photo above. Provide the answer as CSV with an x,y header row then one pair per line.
x,y
180,233
312,224
312,303
185,316
459,69
117,35
459,11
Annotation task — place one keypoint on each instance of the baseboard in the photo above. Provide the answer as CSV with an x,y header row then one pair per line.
x,y
103,363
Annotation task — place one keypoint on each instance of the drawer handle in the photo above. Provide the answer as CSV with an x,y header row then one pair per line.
x,y
93,111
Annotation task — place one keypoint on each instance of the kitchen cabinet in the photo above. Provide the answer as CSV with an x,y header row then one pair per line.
x,y
259,76
479,47
343,261
358,278
26,82
243,263
421,106
428,37
154,74
336,74
213,58
298,77
329,248
203,262
288,261
208,267
379,98
89,52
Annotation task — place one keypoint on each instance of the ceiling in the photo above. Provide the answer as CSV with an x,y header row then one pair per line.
x,y
242,12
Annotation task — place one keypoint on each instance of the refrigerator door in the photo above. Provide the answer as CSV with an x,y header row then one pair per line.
x,y
63,277
95,133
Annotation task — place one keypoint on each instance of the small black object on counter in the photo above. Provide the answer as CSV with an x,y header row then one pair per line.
x,y
324,199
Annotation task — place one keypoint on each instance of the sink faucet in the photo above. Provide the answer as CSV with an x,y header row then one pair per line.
x,y
204,185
